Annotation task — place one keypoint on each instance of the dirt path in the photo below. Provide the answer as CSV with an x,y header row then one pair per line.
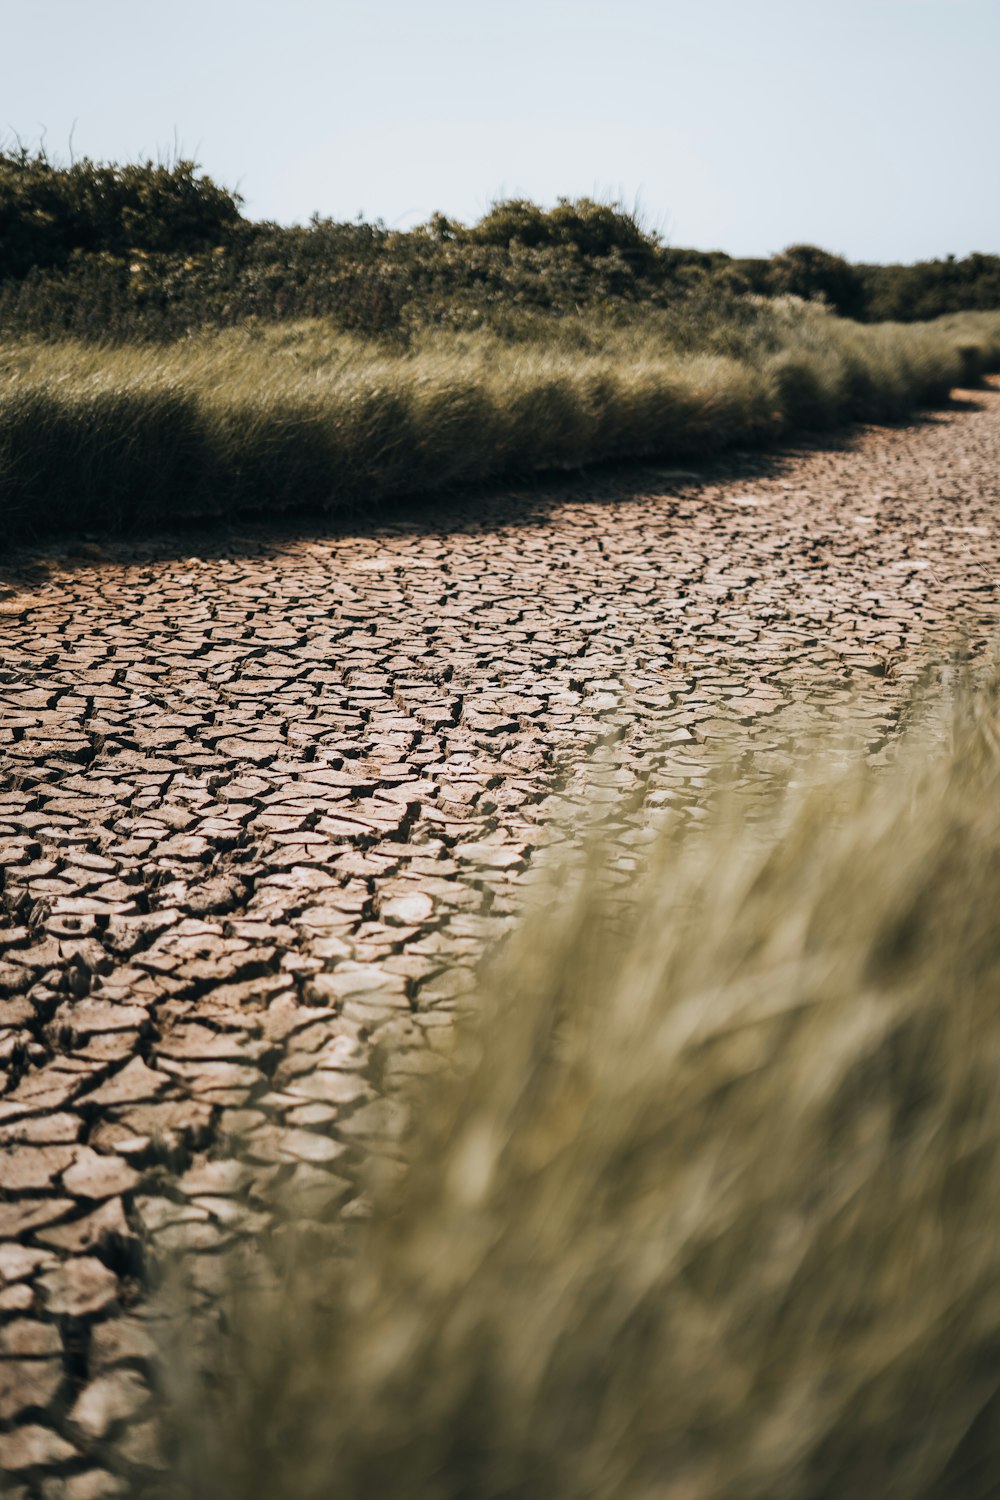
x,y
265,798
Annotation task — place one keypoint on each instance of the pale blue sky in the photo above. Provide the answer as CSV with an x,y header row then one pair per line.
x,y
870,127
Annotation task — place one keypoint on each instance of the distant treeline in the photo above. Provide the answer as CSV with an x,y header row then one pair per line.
x,y
152,250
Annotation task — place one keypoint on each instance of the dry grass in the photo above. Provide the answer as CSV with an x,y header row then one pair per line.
x,y
709,1210
300,416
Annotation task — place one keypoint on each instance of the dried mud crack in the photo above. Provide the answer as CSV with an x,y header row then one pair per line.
x,y
267,796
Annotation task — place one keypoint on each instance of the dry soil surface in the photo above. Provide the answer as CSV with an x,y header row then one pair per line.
x,y
267,796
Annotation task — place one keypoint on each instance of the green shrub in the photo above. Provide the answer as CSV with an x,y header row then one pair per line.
x,y
808,272
592,229
152,251
48,212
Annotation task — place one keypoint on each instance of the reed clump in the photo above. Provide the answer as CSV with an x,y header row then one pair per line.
x,y
708,1208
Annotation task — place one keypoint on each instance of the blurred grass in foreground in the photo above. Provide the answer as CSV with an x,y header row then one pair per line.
x,y
709,1209
263,419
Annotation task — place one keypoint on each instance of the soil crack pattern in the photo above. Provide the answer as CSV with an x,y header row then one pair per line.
x,y
268,795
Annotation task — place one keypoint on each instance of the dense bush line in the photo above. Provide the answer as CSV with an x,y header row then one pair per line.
x,y
153,251
300,416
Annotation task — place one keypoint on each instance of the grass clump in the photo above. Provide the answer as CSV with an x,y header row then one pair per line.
x,y
267,418
709,1209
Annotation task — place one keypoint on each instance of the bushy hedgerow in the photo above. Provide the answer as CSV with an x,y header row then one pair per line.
x,y
153,251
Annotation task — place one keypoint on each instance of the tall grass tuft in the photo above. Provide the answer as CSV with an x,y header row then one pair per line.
x,y
708,1209
298,416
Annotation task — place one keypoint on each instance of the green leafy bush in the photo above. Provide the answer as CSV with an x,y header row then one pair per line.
x,y
808,272
154,251
49,213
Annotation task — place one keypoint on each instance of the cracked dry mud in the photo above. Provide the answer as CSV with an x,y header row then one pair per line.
x,y
266,797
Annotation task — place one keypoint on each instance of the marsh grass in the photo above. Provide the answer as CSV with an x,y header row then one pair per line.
x,y
707,1208
298,416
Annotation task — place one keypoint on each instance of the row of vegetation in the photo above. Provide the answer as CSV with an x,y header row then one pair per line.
x,y
155,250
161,357
706,1208
298,416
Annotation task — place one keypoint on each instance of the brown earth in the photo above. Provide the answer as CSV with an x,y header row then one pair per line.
x,y
266,797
